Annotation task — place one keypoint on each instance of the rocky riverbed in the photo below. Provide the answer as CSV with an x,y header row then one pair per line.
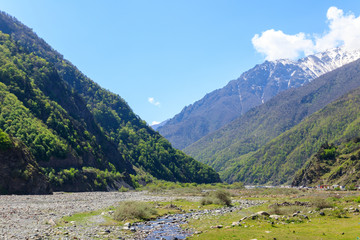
x,y
32,216
35,216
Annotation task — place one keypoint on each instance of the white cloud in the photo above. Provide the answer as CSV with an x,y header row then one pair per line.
x,y
276,44
154,123
153,102
344,30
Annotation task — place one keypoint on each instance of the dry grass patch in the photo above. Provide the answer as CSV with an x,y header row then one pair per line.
x,y
131,210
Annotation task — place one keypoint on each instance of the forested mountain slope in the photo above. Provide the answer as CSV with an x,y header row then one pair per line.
x,y
253,88
75,129
232,145
335,163
279,160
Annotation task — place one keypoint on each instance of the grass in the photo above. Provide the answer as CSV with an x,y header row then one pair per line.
x,y
318,228
85,218
336,224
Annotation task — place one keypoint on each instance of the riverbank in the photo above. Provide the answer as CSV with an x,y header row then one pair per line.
x,y
291,214
34,216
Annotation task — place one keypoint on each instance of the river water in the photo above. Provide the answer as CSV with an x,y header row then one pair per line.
x,y
168,227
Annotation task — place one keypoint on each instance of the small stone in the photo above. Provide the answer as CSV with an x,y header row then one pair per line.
x,y
244,218
322,214
276,217
263,213
234,224
254,216
51,222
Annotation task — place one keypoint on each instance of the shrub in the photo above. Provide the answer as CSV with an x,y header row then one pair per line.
x,y
220,197
321,203
134,210
123,189
286,210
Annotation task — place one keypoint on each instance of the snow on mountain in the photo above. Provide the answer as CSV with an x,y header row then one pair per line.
x,y
321,63
156,126
253,88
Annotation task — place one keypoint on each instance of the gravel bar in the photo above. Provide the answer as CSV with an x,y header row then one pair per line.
x,y
28,216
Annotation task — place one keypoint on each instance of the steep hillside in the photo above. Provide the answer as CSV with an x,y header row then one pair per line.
x,y
251,89
19,172
230,147
75,129
279,160
332,164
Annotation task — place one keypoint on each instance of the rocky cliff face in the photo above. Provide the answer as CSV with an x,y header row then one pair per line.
x,y
19,173
251,89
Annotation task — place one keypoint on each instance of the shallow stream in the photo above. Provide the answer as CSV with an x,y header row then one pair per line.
x,y
168,227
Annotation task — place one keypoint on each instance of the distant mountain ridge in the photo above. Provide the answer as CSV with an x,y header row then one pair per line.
x,y
265,144
253,88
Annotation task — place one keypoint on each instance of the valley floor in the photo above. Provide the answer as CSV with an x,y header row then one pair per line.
x,y
289,214
33,216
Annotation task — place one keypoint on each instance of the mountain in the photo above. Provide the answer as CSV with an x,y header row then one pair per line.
x,y
82,136
244,148
158,125
251,89
278,161
332,164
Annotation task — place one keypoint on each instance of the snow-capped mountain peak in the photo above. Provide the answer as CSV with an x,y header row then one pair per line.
x,y
253,88
321,63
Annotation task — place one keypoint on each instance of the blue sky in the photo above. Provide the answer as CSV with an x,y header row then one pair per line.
x,y
163,55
